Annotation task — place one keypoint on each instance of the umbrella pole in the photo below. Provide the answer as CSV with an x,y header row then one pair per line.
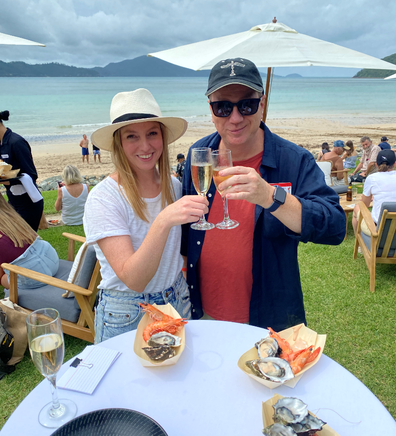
x,y
267,92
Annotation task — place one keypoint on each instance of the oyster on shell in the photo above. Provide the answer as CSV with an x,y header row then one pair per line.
x,y
267,347
310,424
289,410
271,368
159,353
278,430
164,338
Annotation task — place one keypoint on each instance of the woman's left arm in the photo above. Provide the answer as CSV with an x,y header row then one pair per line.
x,y
58,202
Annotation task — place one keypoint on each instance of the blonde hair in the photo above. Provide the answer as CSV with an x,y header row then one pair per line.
x,y
14,226
71,175
127,177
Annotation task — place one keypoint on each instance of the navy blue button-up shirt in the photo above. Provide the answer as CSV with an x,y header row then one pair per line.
x,y
276,299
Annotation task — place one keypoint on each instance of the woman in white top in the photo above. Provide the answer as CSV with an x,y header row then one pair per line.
x,y
72,195
378,188
134,216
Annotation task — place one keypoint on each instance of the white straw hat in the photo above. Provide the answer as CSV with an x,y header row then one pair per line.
x,y
133,107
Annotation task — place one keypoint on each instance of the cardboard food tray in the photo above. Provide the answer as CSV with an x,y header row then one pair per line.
x,y
305,334
268,413
168,309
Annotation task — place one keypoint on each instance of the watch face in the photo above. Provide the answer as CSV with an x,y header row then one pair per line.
x,y
279,195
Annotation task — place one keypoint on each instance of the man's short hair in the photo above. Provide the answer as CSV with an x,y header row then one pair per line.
x,y
364,138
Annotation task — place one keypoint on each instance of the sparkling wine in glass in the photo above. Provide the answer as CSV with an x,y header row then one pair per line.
x,y
222,160
201,174
47,349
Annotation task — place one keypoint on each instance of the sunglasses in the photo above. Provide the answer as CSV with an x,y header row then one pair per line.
x,y
248,106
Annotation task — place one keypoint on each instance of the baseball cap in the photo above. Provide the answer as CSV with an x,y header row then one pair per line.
x,y
341,144
386,156
180,156
237,71
384,138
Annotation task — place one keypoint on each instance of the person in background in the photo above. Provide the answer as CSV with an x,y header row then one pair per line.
x,y
23,193
84,148
96,152
180,166
325,149
378,187
334,156
384,144
20,245
134,216
367,162
350,156
72,195
251,274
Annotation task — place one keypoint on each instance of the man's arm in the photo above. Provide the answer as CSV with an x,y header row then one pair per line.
x,y
339,167
358,168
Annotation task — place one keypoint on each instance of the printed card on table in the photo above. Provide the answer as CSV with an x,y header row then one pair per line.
x,y
88,369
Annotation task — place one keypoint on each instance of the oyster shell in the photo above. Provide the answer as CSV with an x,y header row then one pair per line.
x,y
267,347
271,368
310,424
289,410
164,338
278,430
160,353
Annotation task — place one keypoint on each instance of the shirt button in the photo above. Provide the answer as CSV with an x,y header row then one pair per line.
x,y
193,310
198,242
192,287
191,265
209,195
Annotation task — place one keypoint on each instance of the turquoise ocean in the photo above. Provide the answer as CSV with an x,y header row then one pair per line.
x,y
62,109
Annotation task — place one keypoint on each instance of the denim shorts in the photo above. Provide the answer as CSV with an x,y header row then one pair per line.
x,y
41,257
118,312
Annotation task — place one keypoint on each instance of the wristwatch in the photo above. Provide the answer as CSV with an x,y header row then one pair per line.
x,y
279,199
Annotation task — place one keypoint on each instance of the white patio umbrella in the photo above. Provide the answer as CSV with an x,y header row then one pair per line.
x,y
270,45
14,40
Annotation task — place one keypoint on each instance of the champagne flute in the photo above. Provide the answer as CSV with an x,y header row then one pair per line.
x,y
201,174
46,347
222,160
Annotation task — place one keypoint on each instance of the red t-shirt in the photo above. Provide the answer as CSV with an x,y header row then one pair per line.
x,y
225,265
8,251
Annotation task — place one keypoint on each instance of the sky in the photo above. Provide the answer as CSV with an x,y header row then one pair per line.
x,y
89,33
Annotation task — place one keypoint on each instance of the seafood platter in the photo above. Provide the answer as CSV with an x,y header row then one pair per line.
x,y
281,358
288,416
160,336
6,171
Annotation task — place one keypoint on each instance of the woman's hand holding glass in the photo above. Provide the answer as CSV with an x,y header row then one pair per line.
x,y
187,209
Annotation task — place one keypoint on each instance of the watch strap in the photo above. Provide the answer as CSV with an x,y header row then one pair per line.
x,y
279,199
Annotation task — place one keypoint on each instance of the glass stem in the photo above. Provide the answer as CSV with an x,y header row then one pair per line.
x,y
225,207
55,400
202,220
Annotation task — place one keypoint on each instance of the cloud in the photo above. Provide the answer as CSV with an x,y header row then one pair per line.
x,y
94,33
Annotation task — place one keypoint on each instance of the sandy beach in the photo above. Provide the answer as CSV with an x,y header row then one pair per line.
x,y
51,158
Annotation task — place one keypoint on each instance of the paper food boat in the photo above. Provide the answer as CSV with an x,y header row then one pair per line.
x,y
168,309
305,335
268,413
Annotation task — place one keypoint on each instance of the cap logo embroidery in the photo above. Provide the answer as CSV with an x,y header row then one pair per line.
x,y
232,64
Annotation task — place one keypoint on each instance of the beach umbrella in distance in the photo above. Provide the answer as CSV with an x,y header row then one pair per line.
x,y
14,40
270,45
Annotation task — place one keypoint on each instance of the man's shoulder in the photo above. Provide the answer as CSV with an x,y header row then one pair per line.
x,y
206,141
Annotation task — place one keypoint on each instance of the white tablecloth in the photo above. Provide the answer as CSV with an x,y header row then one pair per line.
x,y
206,394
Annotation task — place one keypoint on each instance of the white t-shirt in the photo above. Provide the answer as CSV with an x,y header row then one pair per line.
x,y
382,186
107,213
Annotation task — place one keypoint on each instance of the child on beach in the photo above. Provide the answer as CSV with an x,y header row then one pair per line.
x,y
134,216
72,195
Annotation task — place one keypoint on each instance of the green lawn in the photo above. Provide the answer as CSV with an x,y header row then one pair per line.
x,y
359,325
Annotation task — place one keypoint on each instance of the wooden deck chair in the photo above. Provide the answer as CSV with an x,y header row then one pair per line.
x,y
380,247
84,273
325,166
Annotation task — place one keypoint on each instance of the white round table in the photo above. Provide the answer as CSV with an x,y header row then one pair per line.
x,y
206,394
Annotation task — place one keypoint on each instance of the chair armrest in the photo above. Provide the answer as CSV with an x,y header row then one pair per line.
x,y
77,238
47,280
366,215
345,171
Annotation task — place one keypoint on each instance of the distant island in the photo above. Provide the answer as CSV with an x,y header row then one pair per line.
x,y
377,74
141,66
